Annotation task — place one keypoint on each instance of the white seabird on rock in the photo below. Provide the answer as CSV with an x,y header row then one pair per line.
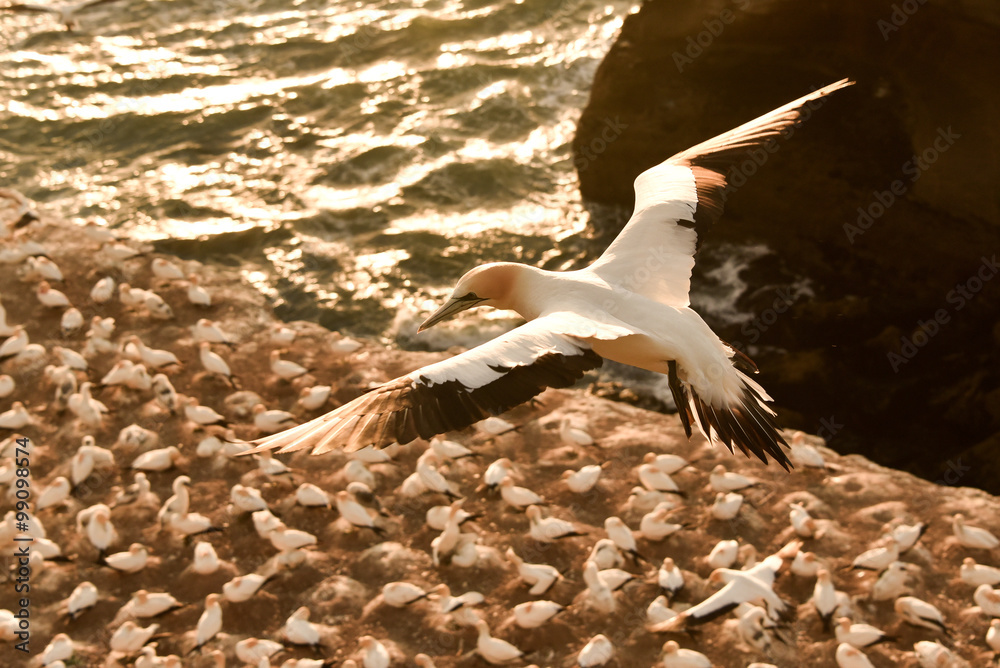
x,y
243,587
540,576
494,650
549,529
532,614
917,612
83,597
978,574
974,537
570,332
583,480
597,652
859,635
848,656
676,657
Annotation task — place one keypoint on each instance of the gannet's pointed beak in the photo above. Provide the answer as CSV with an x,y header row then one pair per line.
x,y
451,308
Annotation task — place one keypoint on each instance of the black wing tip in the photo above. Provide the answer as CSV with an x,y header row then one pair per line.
x,y
746,426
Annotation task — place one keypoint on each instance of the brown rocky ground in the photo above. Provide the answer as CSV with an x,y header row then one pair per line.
x,y
853,497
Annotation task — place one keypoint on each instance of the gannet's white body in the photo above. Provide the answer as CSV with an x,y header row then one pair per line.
x,y
631,306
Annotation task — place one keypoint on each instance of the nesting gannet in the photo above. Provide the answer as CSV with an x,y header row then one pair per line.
x,y
583,480
630,306
518,497
212,361
988,600
722,480
653,478
727,506
494,650
243,587
906,535
824,598
445,449
848,656
878,558
993,637
132,561
160,459
129,638
152,357
891,582
622,536
540,576
207,331
313,398
311,496
54,494
247,499
72,320
298,630
802,522
287,540
286,369
598,595
270,421
496,472
100,532
210,622
402,594
50,297
920,613
202,415
180,501
166,270
549,529
66,14
676,657
572,435
355,514
597,652
196,294
431,476
59,649
7,386
670,578
936,655
17,417
156,306
659,611
253,650
606,554
859,635
978,574
149,604
971,536
532,614
205,561
723,554
83,597
654,525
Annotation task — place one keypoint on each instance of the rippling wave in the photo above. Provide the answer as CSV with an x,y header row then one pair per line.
x,y
353,157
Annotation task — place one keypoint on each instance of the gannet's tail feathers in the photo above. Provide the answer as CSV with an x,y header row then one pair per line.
x,y
747,425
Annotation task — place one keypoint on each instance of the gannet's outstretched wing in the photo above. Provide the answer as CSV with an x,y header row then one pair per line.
x,y
549,351
678,198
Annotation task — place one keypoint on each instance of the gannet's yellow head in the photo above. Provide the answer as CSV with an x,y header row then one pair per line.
x,y
487,285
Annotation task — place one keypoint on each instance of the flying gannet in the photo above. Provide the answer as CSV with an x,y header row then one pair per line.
x,y
630,306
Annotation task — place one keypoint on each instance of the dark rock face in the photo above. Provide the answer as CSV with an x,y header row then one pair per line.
x,y
885,199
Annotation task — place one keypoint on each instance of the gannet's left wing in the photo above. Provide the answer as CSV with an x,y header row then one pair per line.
x,y
549,351
677,199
